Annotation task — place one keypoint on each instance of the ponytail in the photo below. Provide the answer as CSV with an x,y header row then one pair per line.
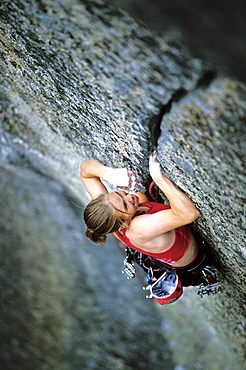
x,y
98,239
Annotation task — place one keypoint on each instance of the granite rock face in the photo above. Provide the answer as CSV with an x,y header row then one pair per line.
x,y
79,80
111,76
204,136
213,31
60,309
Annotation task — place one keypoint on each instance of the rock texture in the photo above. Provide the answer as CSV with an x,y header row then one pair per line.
x,y
60,309
213,31
204,136
79,80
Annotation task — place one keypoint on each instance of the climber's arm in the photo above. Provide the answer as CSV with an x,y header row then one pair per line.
x,y
91,171
183,211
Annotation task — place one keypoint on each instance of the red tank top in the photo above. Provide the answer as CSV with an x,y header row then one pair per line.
x,y
181,242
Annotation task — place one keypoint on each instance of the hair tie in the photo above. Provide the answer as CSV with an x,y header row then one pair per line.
x,y
94,232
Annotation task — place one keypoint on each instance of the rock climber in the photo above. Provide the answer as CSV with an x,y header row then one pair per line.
x,y
158,230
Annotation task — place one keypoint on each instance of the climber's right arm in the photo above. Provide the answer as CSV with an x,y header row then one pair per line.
x,y
91,171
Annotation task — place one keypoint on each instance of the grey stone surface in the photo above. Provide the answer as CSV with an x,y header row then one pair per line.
x,y
78,80
212,30
64,303
204,136
111,76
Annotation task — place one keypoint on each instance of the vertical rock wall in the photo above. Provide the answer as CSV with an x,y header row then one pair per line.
x,y
79,79
204,136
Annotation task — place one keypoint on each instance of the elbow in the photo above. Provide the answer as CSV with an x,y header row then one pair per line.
x,y
188,216
193,215
83,167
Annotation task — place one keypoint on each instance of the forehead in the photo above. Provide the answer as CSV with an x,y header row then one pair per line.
x,y
116,199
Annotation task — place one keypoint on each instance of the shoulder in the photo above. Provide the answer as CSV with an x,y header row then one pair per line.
x,y
143,223
144,234
141,226
157,221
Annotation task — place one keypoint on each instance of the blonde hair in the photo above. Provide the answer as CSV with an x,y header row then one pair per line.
x,y
102,218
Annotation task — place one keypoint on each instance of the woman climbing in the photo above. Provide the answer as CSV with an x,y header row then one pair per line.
x,y
155,229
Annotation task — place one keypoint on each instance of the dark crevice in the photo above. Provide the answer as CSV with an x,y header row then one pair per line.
x,y
206,79
155,123
177,96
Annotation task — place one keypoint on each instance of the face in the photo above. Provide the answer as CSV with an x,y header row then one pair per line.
x,y
125,202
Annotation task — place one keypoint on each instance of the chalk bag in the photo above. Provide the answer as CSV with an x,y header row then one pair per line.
x,y
167,289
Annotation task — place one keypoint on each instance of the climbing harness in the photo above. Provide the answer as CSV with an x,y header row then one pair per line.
x,y
164,283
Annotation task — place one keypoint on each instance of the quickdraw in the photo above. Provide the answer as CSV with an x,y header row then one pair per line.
x,y
129,268
211,286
